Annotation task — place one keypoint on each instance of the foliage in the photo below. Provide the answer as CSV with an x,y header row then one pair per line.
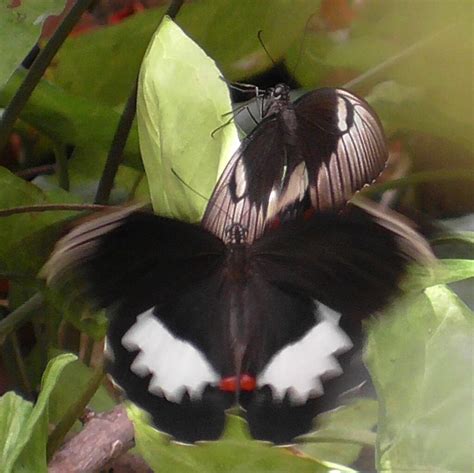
x,y
22,21
417,353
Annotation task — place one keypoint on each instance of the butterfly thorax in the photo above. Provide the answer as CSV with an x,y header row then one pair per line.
x,y
235,234
276,99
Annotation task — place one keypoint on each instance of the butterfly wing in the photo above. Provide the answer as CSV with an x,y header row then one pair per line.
x,y
140,267
344,145
353,264
314,153
242,192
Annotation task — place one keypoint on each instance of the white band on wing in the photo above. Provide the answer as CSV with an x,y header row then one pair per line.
x,y
175,365
297,368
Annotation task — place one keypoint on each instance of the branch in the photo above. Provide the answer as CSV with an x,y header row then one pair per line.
x,y
114,157
30,173
52,207
20,315
104,438
44,58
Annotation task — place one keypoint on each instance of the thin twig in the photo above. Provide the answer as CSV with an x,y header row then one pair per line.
x,y
20,315
52,208
37,69
30,173
114,157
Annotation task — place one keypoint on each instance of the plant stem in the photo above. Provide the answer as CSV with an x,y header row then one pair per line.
x,y
20,315
62,166
114,157
52,207
74,412
42,61
20,364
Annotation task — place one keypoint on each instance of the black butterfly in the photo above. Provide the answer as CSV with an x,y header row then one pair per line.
x,y
314,154
198,322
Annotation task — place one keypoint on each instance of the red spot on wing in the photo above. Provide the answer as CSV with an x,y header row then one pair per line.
x,y
274,223
246,382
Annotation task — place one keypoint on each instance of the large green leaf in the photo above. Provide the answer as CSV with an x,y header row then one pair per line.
x,y
104,64
444,271
181,101
431,48
72,120
24,427
420,358
235,453
342,433
72,383
20,28
14,412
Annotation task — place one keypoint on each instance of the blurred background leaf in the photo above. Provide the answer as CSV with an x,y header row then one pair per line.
x,y
419,357
23,21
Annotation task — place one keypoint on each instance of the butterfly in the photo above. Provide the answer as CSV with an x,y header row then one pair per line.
x,y
310,155
199,322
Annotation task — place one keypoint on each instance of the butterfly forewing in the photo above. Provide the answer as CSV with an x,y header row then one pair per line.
x,y
314,153
344,145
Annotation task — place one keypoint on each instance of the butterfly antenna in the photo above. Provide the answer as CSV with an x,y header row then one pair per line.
x,y
260,40
207,199
188,186
300,52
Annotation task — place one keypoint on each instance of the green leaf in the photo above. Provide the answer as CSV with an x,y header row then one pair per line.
x,y
181,101
342,433
104,64
405,108
25,434
235,453
27,238
23,21
420,357
444,271
459,237
14,412
85,167
430,55
72,383
68,119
